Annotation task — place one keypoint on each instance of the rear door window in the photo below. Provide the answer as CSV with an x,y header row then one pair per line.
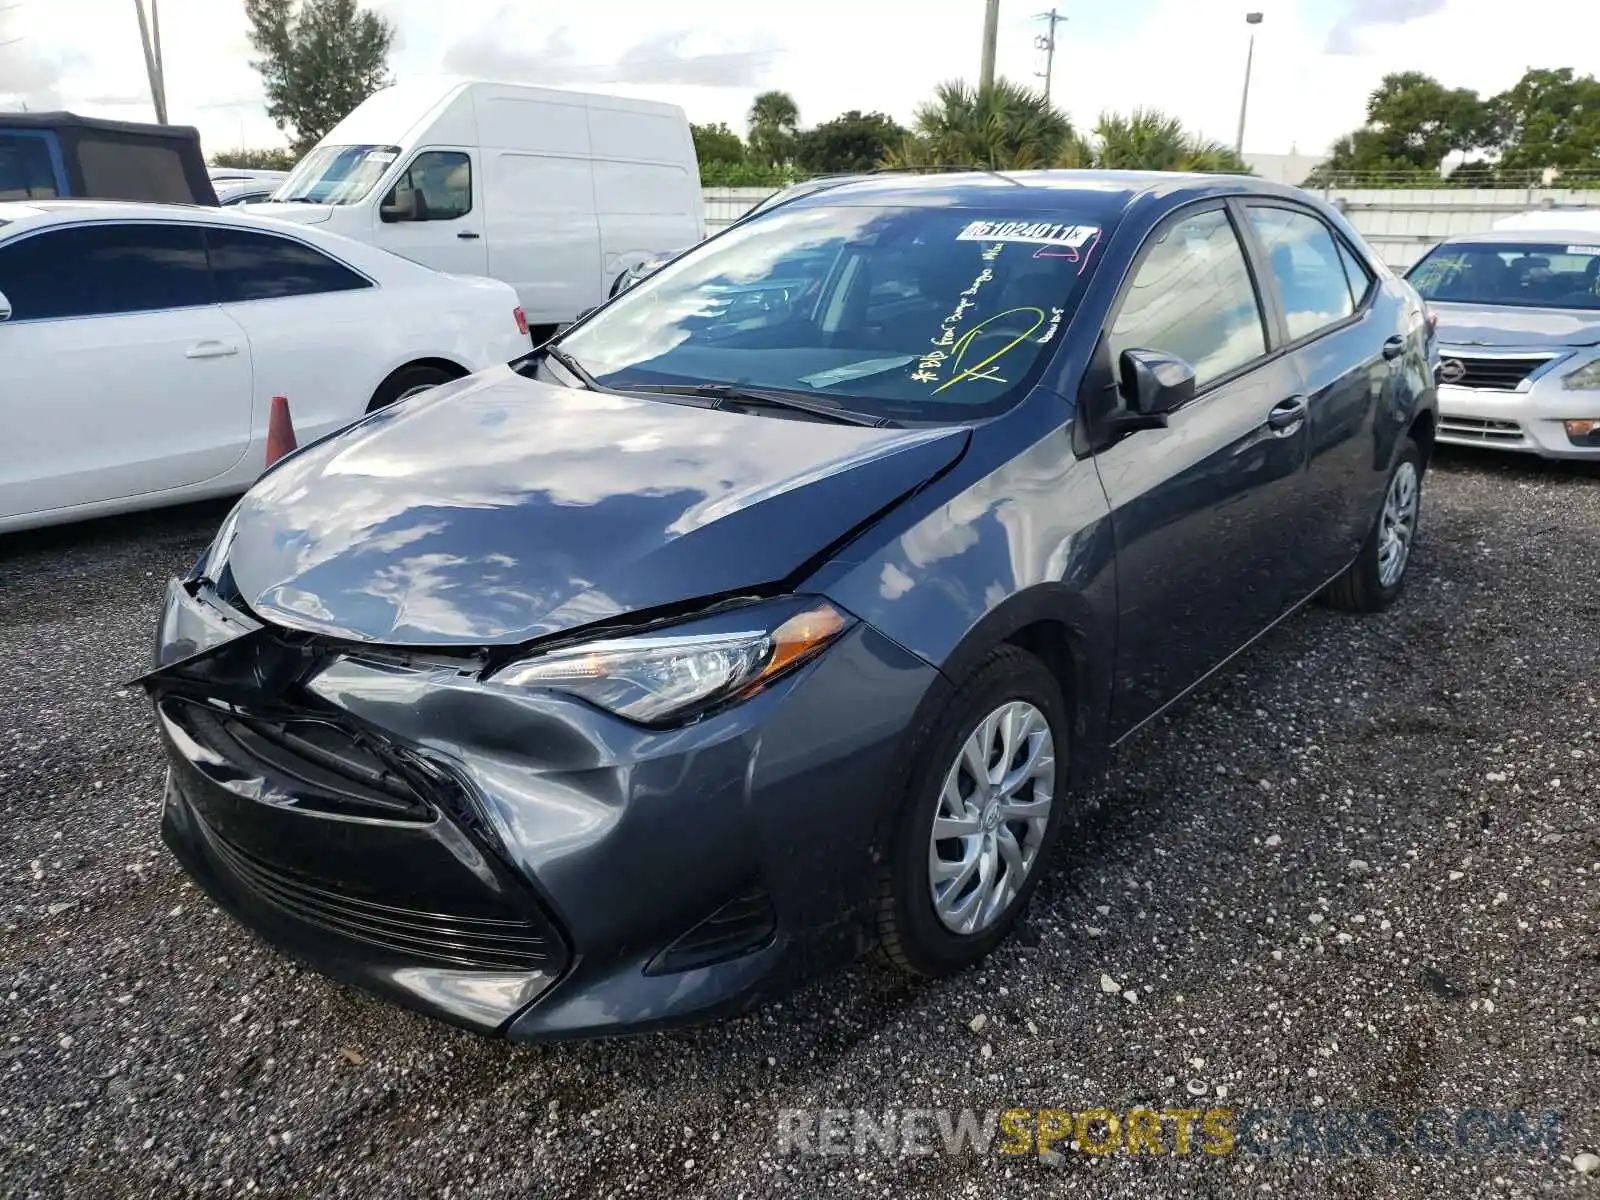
x,y
102,270
1304,260
1356,272
1192,297
257,266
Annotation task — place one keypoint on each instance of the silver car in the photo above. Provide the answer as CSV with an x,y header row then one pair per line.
x,y
1519,339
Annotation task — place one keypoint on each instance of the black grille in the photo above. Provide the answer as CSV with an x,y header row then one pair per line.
x,y
743,924
1490,374
439,938
331,768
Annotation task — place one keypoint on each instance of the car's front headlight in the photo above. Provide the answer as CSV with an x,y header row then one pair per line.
x,y
1585,378
680,671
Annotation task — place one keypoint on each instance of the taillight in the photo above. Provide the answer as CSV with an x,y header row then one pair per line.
x,y
521,319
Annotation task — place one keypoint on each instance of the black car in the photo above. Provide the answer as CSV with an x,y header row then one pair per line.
x,y
781,608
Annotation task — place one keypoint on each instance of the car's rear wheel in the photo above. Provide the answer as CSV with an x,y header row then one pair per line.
x,y
408,381
1374,580
981,812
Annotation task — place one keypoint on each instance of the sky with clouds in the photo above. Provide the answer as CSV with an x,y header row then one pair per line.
x,y
1315,60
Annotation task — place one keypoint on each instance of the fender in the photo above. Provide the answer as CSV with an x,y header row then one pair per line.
x,y
1009,546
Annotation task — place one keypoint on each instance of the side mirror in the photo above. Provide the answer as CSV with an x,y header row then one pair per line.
x,y
5,308
399,205
1153,384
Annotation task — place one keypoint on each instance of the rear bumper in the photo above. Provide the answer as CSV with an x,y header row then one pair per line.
x,y
1528,421
565,873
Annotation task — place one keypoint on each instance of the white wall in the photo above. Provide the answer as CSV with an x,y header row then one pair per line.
x,y
726,205
1399,224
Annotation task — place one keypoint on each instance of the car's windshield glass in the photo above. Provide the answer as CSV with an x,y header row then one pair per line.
x,y
1534,274
336,174
907,313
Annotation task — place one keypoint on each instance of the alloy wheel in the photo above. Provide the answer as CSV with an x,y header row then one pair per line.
x,y
994,809
1397,525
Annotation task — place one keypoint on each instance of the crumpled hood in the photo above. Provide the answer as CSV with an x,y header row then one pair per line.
x,y
500,509
1504,327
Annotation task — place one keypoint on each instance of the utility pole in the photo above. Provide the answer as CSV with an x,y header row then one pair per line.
x,y
991,33
1047,43
152,58
1252,19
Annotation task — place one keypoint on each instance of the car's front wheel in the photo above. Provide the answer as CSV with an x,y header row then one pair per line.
x,y
1373,581
979,817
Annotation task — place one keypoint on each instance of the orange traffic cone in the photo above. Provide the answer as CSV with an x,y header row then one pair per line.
x,y
280,430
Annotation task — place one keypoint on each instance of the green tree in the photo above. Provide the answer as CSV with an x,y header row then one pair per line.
x,y
1004,127
717,144
319,59
852,141
774,120
278,158
1413,123
1419,120
1549,119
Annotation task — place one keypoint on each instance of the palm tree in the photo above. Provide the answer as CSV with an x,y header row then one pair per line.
x,y
1144,140
774,119
1213,158
1005,127
1148,140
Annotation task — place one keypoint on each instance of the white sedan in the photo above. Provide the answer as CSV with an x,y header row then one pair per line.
x,y
141,346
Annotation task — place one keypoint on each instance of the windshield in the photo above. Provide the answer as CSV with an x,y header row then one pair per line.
x,y
907,313
1539,274
336,174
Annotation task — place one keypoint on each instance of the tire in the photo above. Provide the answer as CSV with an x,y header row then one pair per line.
x,y
417,377
912,934
1369,584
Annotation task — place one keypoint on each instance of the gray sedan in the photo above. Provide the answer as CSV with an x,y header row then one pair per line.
x,y
1519,340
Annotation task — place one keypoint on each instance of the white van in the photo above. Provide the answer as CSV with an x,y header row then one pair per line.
x,y
559,194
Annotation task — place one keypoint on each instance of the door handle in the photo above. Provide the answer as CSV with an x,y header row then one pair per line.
x,y
1286,415
1394,347
467,235
211,350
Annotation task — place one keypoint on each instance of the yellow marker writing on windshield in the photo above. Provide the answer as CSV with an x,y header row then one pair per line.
x,y
965,342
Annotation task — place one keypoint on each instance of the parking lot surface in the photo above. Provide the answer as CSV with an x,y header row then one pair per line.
x,y
1361,871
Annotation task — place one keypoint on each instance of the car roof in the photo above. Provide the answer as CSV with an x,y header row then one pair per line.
x,y
1090,193
41,213
20,217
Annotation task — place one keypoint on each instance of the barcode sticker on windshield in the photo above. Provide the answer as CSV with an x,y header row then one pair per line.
x,y
1583,249
1038,233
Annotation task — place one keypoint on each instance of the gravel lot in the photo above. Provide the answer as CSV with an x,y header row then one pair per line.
x,y
1359,872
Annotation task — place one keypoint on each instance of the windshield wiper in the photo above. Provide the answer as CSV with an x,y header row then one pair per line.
x,y
573,367
730,393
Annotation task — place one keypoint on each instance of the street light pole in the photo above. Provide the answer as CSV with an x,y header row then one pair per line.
x,y
152,64
1253,18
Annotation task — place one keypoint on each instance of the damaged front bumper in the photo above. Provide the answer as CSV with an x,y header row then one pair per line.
x,y
524,863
